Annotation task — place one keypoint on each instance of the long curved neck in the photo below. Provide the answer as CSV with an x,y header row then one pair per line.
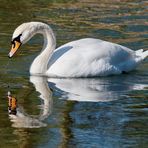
x,y
40,63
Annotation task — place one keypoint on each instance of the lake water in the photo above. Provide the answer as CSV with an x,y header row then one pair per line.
x,y
103,112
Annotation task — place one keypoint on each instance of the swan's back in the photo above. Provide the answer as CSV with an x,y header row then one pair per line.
x,y
89,57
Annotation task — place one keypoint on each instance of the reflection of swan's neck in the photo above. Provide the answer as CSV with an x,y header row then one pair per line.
x,y
39,65
41,86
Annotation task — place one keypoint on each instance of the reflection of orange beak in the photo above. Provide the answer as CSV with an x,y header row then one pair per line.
x,y
14,48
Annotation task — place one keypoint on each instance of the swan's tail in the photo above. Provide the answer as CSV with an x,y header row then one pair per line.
x,y
141,54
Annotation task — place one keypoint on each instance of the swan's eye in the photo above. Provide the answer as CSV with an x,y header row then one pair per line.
x,y
16,39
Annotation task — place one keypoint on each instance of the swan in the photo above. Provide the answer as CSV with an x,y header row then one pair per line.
x,y
86,57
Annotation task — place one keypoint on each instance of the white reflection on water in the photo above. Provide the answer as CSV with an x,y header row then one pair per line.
x,y
23,120
82,89
93,89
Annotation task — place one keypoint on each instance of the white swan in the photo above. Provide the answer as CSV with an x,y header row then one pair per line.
x,y
81,58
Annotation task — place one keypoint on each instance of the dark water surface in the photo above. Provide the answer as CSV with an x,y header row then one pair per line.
x,y
105,112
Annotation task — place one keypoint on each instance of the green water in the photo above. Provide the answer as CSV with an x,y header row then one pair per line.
x,y
107,112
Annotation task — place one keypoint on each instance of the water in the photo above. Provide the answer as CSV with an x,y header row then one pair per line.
x,y
106,112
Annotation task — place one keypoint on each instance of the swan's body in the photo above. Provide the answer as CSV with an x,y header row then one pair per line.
x,y
91,57
81,58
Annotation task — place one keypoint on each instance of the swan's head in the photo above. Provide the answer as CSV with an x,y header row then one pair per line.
x,y
22,34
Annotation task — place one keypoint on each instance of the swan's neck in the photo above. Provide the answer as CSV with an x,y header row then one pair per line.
x,y
40,63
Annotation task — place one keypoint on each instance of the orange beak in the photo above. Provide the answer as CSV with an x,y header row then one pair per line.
x,y
14,48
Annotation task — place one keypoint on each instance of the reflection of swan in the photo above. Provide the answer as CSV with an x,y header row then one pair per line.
x,y
27,121
81,58
93,89
88,89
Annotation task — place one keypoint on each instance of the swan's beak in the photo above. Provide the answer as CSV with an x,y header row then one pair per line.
x,y
14,48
